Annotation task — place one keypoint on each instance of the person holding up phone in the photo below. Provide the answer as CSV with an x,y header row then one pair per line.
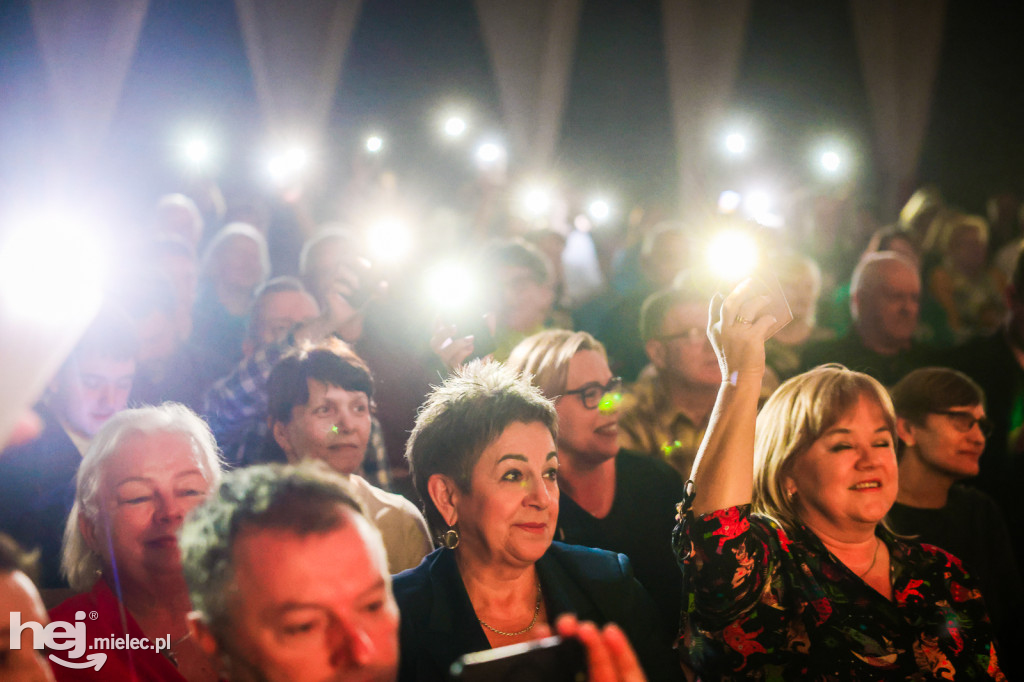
x,y
788,565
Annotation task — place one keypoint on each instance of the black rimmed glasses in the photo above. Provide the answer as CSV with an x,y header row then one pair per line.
x,y
965,421
592,394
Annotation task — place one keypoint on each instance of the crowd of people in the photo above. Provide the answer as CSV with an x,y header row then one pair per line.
x,y
289,465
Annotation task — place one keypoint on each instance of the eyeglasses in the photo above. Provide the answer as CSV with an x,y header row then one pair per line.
x,y
964,421
692,336
593,394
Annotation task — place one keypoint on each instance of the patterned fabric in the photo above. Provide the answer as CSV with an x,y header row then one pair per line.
x,y
764,604
236,409
648,424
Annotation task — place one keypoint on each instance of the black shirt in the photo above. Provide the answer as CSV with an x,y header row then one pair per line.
x,y
639,525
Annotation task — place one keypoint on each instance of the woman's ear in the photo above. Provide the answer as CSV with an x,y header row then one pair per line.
x,y
445,495
905,430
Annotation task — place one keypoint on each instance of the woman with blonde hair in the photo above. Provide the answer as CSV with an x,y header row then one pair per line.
x,y
788,565
608,493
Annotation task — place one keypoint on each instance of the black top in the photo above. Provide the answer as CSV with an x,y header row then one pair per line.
x,y
438,623
849,351
639,525
37,489
971,527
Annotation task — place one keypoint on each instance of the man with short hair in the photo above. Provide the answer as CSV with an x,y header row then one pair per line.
x,y
665,413
319,407
290,580
885,294
37,478
278,306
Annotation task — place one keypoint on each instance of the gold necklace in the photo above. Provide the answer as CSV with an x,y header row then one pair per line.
x,y
536,612
873,559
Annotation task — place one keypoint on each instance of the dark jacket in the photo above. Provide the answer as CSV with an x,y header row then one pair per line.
x,y
439,623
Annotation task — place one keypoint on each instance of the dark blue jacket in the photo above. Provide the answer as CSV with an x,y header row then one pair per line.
x,y
439,623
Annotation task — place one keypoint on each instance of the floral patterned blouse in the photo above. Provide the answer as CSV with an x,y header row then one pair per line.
x,y
763,604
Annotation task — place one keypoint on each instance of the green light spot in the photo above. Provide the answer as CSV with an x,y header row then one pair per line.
x,y
609,402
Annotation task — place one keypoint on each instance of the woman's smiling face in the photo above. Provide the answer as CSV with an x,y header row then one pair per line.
x,y
846,481
510,511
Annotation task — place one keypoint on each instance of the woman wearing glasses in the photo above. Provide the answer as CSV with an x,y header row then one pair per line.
x,y
942,428
611,499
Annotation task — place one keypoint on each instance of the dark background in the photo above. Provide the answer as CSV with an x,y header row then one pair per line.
x,y
799,78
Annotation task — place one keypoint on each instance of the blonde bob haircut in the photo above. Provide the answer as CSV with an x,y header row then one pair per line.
x,y
545,358
795,416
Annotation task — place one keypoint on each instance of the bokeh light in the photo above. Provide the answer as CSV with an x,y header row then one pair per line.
x,y
736,143
374,143
732,254
454,126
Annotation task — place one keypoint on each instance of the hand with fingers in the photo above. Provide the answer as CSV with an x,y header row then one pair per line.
x,y
610,657
738,325
451,349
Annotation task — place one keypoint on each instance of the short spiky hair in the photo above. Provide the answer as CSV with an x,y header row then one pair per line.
x,y
304,499
464,415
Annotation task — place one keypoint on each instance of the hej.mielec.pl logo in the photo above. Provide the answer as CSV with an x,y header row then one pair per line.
x,y
62,636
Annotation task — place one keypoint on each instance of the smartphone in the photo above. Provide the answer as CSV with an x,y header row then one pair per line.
x,y
475,325
551,659
767,284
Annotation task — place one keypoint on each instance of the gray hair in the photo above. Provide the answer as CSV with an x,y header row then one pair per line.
x,y
79,563
303,499
464,415
235,230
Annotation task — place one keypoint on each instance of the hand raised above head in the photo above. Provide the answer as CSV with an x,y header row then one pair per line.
x,y
738,325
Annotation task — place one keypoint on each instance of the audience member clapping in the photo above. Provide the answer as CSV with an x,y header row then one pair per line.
x,y
484,459
144,471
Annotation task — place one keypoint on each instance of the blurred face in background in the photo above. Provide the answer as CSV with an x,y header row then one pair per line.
x,y
682,352
591,434
89,390
887,303
239,263
277,313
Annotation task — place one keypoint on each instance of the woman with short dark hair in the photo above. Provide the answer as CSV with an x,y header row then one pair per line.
x,y
483,458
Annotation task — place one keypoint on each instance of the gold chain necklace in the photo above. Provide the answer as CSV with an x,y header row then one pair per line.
x,y
873,559
536,612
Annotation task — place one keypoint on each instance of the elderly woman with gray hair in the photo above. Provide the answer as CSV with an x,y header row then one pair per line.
x,y
143,472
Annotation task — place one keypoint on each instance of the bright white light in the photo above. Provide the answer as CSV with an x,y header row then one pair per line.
x,y
450,286
537,201
599,210
489,153
830,161
454,126
729,201
758,203
390,240
297,158
732,254
374,144
51,268
197,151
736,143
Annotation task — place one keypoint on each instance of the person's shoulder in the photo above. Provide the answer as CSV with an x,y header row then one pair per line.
x,y
596,564
649,473
970,499
379,500
413,580
99,598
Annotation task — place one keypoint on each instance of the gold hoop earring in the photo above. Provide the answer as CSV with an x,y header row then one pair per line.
x,y
450,538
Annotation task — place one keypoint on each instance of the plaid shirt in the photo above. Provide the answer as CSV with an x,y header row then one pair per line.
x,y
236,409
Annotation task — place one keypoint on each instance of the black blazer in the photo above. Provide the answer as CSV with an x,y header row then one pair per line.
x,y
439,624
